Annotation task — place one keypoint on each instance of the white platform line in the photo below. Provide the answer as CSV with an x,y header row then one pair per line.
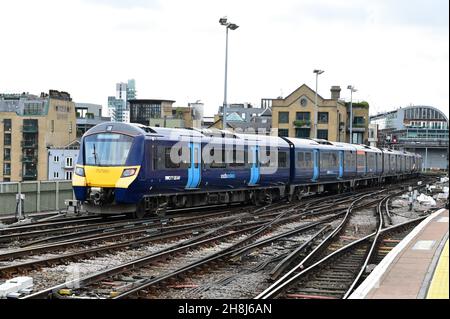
x,y
373,280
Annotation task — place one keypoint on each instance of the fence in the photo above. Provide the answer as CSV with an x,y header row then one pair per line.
x,y
39,195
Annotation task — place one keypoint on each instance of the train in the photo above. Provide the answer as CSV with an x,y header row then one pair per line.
x,y
139,170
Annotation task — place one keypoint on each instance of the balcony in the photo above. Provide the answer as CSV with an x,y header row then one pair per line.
x,y
357,127
30,129
29,159
29,144
302,123
29,176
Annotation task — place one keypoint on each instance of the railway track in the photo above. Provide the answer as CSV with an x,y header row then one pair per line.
x,y
337,274
134,237
254,231
233,236
235,250
197,285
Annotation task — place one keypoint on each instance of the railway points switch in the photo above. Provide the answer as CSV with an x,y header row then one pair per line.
x,y
73,206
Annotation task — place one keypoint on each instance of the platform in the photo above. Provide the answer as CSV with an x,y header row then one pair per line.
x,y
417,268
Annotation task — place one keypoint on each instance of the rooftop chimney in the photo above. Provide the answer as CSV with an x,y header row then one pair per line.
x,y
335,92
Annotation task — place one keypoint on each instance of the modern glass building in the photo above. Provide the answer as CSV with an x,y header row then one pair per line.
x,y
142,110
118,105
420,129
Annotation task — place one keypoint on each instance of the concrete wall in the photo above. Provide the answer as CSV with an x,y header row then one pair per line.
x,y
39,196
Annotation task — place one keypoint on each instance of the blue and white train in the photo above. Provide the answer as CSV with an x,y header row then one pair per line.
x,y
131,168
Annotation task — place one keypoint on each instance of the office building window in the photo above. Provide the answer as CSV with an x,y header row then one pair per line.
x,y
7,169
323,117
303,116
357,138
7,125
33,108
7,154
69,161
55,174
7,140
322,134
283,132
68,175
359,121
56,159
302,132
283,117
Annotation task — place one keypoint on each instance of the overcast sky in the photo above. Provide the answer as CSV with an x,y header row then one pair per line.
x,y
395,52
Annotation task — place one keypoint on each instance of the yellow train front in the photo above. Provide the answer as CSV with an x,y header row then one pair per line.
x,y
108,164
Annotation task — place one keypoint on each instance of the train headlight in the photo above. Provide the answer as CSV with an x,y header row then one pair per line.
x,y
79,171
128,172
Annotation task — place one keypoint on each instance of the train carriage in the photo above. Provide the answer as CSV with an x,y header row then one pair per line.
x,y
304,159
135,168
348,156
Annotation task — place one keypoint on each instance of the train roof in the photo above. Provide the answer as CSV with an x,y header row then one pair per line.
x,y
176,133
397,152
367,148
266,139
302,142
118,127
343,146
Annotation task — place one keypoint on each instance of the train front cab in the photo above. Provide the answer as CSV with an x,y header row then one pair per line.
x,y
110,161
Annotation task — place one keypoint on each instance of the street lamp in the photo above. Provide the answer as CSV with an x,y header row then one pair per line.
x,y
352,89
317,72
228,25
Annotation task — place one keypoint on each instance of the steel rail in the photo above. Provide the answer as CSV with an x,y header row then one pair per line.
x,y
133,264
318,248
281,285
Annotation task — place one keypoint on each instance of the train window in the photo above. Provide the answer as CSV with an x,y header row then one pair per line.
x,y
301,160
308,160
324,160
282,159
168,163
371,161
158,158
348,159
265,160
218,162
379,161
238,158
361,161
333,159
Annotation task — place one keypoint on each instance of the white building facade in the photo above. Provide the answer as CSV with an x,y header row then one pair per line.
x,y
62,161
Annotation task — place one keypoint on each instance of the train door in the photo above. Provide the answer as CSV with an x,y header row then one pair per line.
x,y
316,165
255,168
341,164
194,170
